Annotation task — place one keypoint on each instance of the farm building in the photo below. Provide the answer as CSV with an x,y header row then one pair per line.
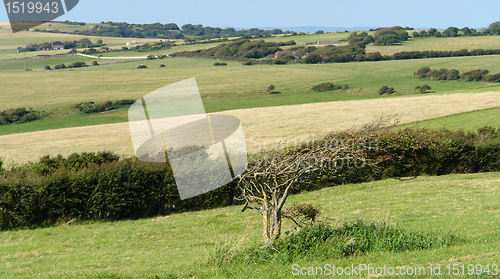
x,y
57,45
325,43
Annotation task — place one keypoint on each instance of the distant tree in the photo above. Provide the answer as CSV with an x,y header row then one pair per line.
x,y
466,31
416,34
353,37
99,42
387,39
368,40
422,72
84,42
432,31
47,68
452,74
424,33
313,58
451,32
320,32
494,28
390,36
423,88
438,34
383,90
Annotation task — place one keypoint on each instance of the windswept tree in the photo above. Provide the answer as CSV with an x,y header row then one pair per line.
x,y
275,174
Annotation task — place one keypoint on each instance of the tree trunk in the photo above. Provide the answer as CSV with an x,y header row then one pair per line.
x,y
266,232
271,219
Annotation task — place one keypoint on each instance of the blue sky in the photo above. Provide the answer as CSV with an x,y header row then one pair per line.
x,y
290,13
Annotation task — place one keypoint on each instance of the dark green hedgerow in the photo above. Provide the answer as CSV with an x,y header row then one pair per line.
x,y
57,190
102,187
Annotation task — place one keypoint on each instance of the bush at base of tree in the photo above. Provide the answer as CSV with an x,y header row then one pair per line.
x,y
322,241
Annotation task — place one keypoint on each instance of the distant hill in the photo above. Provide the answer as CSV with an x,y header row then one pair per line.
x,y
312,29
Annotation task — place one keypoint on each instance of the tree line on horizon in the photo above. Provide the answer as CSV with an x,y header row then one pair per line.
x,y
162,31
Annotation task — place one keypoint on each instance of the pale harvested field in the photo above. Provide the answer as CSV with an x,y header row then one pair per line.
x,y
263,127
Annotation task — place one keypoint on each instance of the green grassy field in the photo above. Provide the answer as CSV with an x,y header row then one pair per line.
x,y
9,42
434,43
180,245
309,38
468,121
223,88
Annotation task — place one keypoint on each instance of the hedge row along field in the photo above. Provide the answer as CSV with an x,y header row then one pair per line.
x,y
453,74
103,187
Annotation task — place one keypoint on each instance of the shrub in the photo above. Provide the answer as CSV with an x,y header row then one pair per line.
x,y
475,75
47,68
19,115
142,66
162,66
493,78
326,86
220,64
78,64
124,102
452,74
270,88
60,66
385,89
95,63
90,107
